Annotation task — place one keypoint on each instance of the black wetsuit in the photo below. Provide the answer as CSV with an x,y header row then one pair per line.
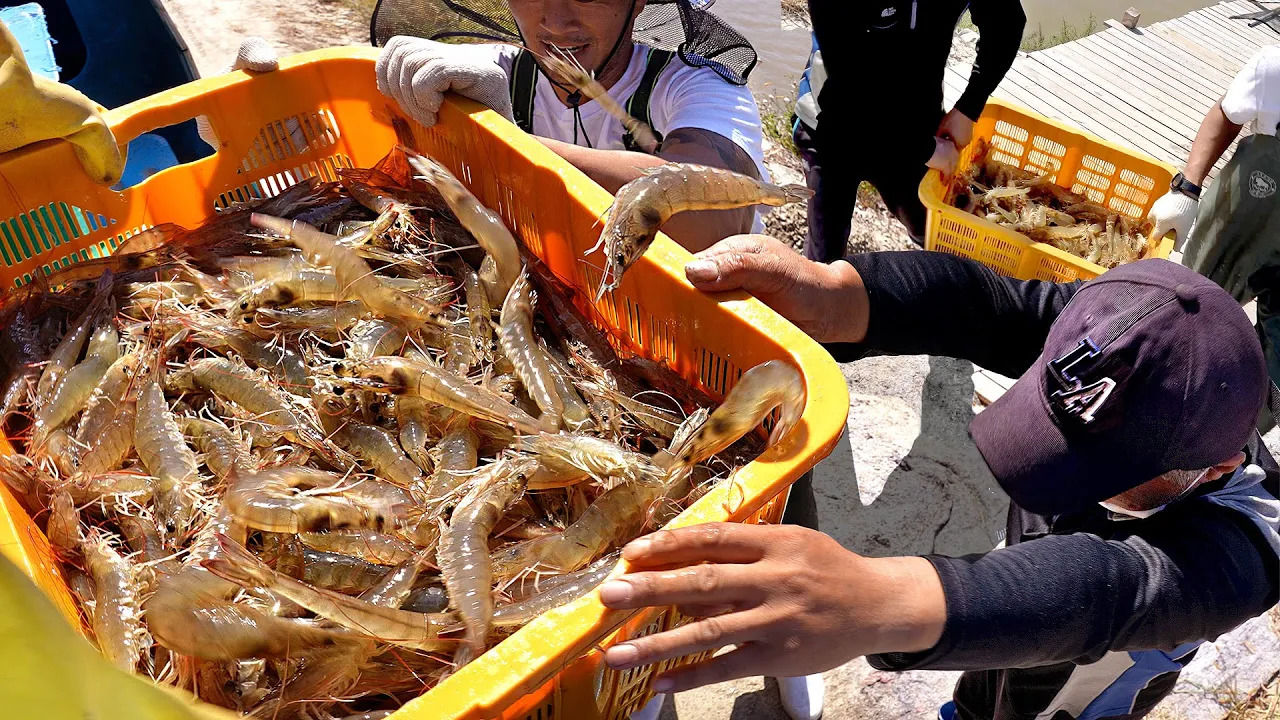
x,y
882,101
1109,609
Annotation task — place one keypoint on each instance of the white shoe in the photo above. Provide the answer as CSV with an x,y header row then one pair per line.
x,y
801,696
651,710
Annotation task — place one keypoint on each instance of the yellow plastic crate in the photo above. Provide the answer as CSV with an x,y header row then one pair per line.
x,y
1121,179
321,111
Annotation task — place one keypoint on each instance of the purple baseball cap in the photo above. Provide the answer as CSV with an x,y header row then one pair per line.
x,y
1149,368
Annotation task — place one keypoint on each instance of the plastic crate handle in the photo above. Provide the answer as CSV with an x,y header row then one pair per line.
x,y
186,102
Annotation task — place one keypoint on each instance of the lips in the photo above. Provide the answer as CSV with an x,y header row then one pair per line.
x,y
564,47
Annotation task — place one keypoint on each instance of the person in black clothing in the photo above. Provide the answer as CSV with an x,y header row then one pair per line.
x,y
878,115
1144,516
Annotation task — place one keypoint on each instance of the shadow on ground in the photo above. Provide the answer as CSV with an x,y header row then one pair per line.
x,y
939,498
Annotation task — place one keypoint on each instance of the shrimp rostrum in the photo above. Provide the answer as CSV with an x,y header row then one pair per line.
x,y
643,205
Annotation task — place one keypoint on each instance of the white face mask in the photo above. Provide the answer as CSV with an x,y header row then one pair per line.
x,y
1139,514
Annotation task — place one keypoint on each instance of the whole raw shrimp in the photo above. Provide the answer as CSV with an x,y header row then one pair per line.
x,y
501,267
354,276
398,627
769,385
644,204
464,548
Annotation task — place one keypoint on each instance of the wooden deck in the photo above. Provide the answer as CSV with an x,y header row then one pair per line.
x,y
1147,89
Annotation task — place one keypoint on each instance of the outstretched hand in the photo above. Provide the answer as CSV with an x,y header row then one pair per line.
x,y
792,600
827,302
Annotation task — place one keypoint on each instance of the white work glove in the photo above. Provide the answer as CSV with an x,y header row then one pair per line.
x,y
1175,212
416,73
255,55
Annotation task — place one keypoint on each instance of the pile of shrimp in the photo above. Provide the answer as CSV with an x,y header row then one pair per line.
x,y
1039,208
310,458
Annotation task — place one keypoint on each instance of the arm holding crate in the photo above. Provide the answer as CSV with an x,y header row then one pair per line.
x,y
1144,506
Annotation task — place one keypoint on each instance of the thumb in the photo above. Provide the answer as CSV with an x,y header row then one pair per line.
x,y
257,55
1162,226
734,270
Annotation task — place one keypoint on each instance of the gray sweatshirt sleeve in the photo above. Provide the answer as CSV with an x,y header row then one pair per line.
x,y
1189,573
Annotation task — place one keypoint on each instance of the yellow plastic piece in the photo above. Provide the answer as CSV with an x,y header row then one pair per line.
x,y
52,672
34,108
321,111
1111,175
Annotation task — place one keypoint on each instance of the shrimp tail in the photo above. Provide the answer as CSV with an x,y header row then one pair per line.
x,y
796,193
237,564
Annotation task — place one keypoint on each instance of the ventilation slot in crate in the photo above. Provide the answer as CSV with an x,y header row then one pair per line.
x,y
100,249
289,137
546,711
272,185
632,686
45,227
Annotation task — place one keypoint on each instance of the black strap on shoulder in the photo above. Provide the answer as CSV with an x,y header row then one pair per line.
x,y
638,105
524,81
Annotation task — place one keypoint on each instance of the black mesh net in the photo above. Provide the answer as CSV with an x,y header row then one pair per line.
x,y
685,26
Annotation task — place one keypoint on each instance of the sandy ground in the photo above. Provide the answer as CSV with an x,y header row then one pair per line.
x,y
905,479
214,30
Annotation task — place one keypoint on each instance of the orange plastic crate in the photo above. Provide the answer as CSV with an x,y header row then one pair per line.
x,y
1119,178
321,111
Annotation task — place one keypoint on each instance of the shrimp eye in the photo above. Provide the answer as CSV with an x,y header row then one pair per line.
x,y
339,390
247,319
620,258
244,305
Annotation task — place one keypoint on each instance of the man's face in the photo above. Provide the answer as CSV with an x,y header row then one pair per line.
x,y
585,29
1173,485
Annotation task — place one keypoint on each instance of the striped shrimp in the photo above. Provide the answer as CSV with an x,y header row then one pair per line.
x,y
766,386
355,278
412,415
117,616
76,387
268,500
643,205
614,517
424,379
464,548
375,547
520,345
64,355
397,627
164,452
501,266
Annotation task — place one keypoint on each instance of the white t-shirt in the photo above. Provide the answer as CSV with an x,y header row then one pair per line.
x,y
683,97
1254,96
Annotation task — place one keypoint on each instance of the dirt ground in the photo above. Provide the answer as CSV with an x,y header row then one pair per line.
x,y
905,479
214,30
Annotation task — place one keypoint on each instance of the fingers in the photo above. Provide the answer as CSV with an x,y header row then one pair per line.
x,y
735,243
749,268
705,584
710,633
710,542
746,661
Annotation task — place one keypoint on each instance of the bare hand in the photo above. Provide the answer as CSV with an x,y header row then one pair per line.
x,y
792,600
827,302
956,127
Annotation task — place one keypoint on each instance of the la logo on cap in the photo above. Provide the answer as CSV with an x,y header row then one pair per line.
x,y
1073,398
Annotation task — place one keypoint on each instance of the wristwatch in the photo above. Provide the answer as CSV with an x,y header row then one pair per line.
x,y
1181,184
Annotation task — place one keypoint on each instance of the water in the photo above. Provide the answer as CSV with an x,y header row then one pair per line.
x,y
783,52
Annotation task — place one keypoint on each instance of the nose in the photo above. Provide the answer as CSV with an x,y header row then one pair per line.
x,y
559,17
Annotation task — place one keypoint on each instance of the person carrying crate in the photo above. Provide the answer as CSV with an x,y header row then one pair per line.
x,y
669,63
33,108
1144,518
869,105
1235,240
